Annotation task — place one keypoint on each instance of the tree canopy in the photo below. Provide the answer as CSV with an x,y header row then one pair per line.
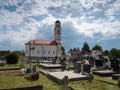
x,y
97,47
63,50
115,53
86,47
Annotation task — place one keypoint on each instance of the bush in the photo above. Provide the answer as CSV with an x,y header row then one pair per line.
x,y
12,58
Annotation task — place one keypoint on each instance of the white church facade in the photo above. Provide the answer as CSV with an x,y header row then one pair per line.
x,y
45,48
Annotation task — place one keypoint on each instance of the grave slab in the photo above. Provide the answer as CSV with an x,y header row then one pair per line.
x,y
104,72
115,76
58,76
50,66
46,62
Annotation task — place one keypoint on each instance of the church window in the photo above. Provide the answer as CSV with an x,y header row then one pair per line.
x,y
48,52
53,52
44,52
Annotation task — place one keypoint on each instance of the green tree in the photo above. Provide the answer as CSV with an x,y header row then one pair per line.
x,y
106,53
114,52
63,51
74,49
22,52
86,47
97,47
118,53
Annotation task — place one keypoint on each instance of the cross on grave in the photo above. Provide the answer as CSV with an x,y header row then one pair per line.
x,y
65,83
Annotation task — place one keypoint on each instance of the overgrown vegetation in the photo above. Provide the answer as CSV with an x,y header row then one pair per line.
x,y
12,58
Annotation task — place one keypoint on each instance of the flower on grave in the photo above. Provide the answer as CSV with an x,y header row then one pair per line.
x,y
83,83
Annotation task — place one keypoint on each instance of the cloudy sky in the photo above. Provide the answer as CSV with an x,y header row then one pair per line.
x,y
91,21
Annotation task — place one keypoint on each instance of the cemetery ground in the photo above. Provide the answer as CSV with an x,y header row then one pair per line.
x,y
8,80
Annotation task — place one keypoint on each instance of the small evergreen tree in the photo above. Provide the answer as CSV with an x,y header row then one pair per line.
x,y
86,47
63,50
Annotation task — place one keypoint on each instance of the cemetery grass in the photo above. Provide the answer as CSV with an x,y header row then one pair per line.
x,y
20,81
95,84
8,81
48,84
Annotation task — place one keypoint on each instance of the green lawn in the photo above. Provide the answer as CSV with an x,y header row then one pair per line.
x,y
20,81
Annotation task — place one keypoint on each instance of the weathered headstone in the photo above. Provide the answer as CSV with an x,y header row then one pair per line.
x,y
77,67
91,61
65,83
63,63
34,76
86,69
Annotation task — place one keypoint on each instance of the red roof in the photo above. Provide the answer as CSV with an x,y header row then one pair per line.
x,y
42,42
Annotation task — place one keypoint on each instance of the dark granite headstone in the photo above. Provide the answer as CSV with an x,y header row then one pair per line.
x,y
63,63
86,69
99,63
77,67
115,65
91,61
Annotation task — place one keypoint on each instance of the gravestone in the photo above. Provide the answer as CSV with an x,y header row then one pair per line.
x,y
91,61
77,67
34,76
115,65
63,63
65,83
86,69
99,63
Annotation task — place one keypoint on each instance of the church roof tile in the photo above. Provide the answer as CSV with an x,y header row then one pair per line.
x,y
42,42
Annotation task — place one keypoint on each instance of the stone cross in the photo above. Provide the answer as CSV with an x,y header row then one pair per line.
x,y
65,83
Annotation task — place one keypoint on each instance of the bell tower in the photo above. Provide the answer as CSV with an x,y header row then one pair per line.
x,y
57,36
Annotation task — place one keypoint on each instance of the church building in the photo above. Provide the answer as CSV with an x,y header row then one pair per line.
x,y
45,48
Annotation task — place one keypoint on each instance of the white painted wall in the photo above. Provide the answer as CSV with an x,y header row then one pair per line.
x,y
41,50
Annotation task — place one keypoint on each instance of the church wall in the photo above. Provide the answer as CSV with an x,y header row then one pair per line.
x,y
41,50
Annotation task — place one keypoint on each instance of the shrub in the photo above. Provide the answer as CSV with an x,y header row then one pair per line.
x,y
12,58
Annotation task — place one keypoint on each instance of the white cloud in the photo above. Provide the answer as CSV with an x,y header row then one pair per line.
x,y
83,16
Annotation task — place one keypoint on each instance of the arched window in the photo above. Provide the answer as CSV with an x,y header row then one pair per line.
x,y
48,52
